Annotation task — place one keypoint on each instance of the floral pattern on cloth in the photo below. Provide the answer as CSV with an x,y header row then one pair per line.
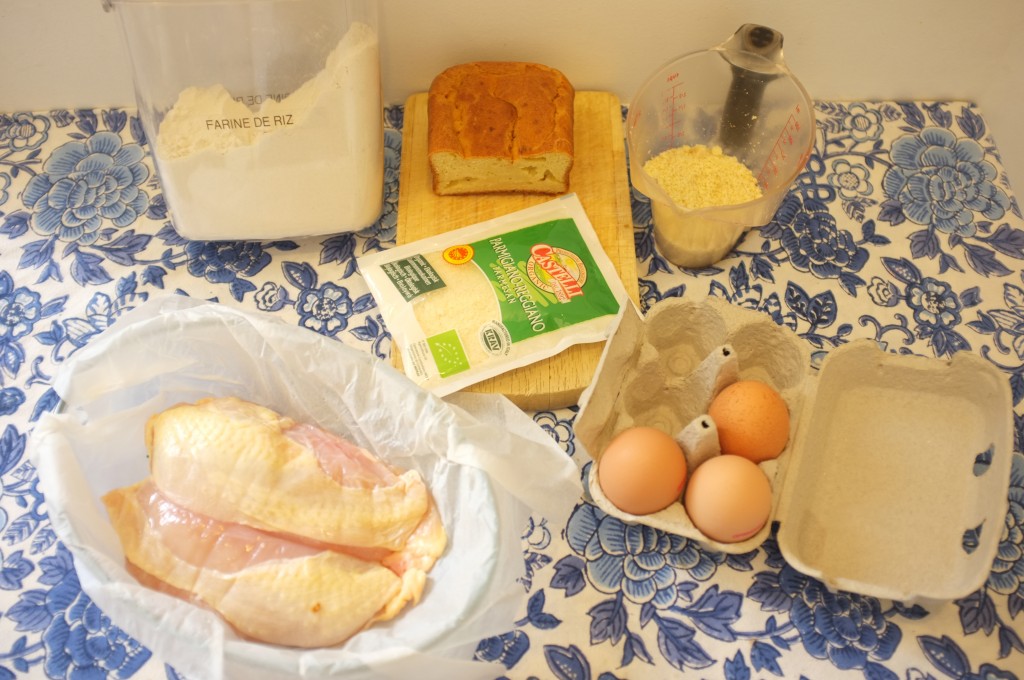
x,y
902,228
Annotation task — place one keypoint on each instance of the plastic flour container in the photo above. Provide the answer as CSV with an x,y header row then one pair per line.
x,y
264,116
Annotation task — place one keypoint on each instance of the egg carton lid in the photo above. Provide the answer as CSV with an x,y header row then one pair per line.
x,y
895,480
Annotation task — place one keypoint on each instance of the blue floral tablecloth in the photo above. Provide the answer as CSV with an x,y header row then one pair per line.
x,y
903,228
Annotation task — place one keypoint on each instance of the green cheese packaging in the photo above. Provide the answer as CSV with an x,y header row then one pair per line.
x,y
472,303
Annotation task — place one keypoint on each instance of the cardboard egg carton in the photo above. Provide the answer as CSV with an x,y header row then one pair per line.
x,y
894,481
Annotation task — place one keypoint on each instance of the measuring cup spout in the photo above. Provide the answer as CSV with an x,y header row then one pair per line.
x,y
754,53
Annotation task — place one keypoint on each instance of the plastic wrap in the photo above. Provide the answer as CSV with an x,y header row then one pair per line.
x,y
488,465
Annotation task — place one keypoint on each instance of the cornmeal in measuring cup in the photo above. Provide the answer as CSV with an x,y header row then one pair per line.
x,y
475,302
699,176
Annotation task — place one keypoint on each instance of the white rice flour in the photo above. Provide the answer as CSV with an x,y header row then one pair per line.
x,y
311,163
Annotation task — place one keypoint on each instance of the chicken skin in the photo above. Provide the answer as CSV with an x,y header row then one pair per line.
x,y
292,534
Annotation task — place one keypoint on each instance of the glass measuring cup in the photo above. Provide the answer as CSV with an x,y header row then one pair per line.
x,y
739,96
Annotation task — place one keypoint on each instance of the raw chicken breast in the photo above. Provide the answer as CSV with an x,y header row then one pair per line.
x,y
239,462
294,535
270,588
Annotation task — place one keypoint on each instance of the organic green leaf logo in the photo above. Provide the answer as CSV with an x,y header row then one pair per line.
x,y
448,353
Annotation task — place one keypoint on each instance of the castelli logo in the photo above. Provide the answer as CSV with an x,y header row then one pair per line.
x,y
557,271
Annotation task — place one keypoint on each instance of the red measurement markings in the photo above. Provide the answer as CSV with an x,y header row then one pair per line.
x,y
770,170
675,103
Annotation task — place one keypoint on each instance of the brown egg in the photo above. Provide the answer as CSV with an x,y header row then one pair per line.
x,y
752,420
642,470
729,498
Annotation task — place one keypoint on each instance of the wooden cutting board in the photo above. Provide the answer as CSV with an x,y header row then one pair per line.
x,y
600,181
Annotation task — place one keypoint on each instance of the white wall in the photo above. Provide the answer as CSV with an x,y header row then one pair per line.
x,y
69,53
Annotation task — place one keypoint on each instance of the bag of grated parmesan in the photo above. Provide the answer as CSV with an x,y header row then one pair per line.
x,y
475,302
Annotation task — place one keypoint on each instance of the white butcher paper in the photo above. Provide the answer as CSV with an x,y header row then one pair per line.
x,y
488,465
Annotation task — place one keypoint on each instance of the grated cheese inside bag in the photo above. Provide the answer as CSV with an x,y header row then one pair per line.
x,y
475,302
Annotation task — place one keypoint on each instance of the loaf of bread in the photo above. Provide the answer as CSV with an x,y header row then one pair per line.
x,y
500,127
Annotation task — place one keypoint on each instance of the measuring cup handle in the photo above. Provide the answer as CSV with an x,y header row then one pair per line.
x,y
755,54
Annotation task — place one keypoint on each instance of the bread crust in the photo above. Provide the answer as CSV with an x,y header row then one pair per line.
x,y
502,111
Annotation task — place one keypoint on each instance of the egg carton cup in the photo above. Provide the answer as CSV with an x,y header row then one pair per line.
x,y
894,480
